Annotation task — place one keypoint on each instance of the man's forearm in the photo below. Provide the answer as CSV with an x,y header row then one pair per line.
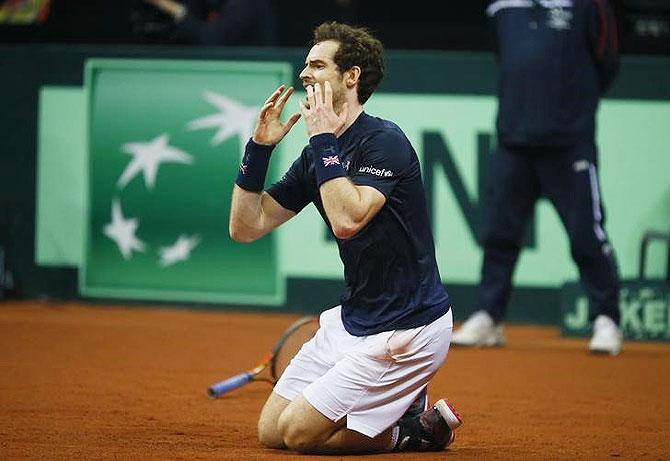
x,y
254,214
245,215
246,209
349,207
341,201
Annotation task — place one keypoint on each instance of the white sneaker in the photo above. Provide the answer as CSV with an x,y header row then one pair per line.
x,y
607,337
479,331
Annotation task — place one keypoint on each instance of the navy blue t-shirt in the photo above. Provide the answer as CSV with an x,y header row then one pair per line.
x,y
392,279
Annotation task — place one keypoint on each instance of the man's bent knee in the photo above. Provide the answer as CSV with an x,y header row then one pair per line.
x,y
269,438
268,432
297,431
294,434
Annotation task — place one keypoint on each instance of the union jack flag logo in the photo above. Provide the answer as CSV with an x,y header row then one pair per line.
x,y
243,168
332,160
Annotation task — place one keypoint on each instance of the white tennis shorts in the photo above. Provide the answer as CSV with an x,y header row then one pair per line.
x,y
370,380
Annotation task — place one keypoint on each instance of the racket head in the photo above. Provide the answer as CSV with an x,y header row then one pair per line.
x,y
290,342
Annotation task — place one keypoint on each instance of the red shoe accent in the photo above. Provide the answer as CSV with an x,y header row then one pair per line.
x,y
451,407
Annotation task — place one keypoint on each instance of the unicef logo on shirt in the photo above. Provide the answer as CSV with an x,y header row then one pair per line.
x,y
382,173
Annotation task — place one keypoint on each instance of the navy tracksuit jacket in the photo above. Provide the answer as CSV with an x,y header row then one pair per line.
x,y
556,58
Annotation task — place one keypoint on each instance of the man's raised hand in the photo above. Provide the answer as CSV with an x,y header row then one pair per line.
x,y
319,113
269,128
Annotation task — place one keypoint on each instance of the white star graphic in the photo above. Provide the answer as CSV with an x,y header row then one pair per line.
x,y
179,251
147,157
122,231
233,118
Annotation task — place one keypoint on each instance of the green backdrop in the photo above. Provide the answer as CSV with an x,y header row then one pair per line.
x,y
453,134
165,141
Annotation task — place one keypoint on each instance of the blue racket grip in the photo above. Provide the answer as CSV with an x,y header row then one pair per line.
x,y
227,385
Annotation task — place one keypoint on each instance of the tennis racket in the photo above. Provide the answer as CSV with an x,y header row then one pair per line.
x,y
289,343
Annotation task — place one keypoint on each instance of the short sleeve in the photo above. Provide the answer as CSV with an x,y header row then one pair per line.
x,y
385,156
291,190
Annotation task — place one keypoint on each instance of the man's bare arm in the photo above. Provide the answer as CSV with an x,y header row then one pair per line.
x,y
349,207
254,214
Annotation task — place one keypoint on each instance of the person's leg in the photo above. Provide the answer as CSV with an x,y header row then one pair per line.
x,y
311,362
305,429
355,407
570,180
512,193
268,428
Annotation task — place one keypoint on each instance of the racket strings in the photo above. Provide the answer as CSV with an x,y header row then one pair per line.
x,y
277,360
291,345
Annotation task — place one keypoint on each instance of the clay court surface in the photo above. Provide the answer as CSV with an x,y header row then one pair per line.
x,y
79,381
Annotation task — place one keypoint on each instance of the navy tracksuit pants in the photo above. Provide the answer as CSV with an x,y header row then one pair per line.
x,y
568,177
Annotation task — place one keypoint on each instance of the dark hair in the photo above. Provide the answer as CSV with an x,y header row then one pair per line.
x,y
357,48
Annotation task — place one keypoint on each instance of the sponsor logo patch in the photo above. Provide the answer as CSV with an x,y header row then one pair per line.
x,y
381,172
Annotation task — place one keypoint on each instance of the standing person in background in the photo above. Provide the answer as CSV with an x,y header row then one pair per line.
x,y
222,22
354,387
556,58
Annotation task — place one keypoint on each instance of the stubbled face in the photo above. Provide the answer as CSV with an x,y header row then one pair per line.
x,y
320,68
